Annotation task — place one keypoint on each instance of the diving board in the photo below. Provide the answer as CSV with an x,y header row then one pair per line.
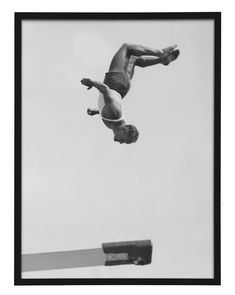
x,y
111,254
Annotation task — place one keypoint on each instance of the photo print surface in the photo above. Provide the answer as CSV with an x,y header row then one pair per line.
x,y
80,186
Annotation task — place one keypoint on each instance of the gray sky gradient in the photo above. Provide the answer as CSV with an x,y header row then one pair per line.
x,y
163,183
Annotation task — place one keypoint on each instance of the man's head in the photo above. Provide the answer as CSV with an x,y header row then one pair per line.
x,y
126,134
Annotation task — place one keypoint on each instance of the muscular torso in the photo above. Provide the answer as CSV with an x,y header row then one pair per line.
x,y
111,109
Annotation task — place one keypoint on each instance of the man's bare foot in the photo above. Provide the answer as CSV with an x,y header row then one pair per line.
x,y
92,112
171,57
167,51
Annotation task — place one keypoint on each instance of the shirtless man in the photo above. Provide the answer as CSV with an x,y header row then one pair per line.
x,y
117,84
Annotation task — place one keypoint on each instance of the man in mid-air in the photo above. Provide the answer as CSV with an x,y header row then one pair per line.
x,y
117,83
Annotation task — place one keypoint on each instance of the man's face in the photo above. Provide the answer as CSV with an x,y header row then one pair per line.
x,y
119,136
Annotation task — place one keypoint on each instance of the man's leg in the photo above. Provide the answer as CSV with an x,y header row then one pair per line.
x,y
146,61
122,58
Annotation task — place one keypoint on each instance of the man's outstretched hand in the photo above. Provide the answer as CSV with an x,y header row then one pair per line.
x,y
87,82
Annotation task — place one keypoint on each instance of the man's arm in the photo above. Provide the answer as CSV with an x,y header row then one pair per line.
x,y
92,112
98,85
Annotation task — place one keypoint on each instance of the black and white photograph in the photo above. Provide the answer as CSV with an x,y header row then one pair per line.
x,y
117,172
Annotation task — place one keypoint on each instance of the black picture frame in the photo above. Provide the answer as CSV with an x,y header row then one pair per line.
x,y
216,16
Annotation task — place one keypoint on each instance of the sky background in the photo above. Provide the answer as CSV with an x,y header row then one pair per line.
x,y
79,187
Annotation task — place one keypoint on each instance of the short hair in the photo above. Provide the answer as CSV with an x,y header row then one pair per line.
x,y
131,134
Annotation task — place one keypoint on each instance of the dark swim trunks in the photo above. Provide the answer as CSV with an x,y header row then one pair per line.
x,y
118,81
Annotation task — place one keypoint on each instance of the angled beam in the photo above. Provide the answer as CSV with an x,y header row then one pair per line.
x,y
63,259
134,252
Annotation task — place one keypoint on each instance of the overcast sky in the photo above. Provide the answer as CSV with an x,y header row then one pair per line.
x,y
80,188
